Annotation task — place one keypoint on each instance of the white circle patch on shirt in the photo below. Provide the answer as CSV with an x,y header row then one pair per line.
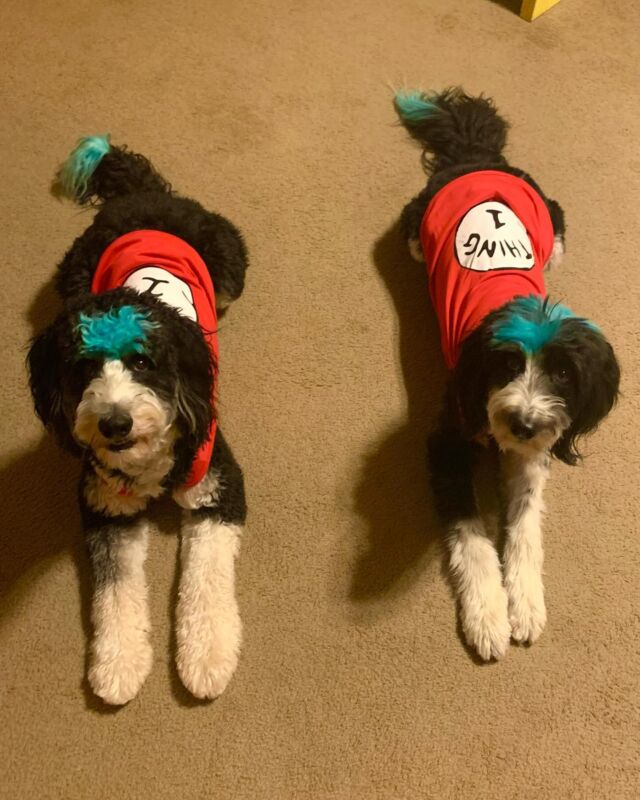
x,y
165,286
490,236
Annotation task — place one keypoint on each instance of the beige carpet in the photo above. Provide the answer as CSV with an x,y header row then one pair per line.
x,y
353,681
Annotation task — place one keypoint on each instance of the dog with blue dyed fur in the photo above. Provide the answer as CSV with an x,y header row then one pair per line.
x,y
527,375
126,377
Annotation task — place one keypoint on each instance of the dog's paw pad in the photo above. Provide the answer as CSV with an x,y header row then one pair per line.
x,y
486,624
117,677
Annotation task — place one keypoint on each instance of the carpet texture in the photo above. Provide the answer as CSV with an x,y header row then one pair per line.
x,y
353,681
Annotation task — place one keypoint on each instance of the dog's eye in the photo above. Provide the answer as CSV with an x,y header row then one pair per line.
x,y
561,374
513,363
141,363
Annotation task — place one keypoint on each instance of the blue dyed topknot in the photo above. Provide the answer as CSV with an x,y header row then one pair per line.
x,y
531,322
115,333
80,165
414,106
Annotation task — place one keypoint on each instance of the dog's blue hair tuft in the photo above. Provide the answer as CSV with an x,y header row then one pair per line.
x,y
414,106
115,333
82,162
531,322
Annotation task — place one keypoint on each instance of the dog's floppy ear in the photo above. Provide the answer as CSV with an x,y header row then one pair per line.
x,y
45,381
469,383
598,378
195,380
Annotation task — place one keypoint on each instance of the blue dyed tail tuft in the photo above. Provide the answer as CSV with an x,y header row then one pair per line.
x,y
413,106
82,162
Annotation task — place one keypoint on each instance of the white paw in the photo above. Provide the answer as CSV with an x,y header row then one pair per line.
x,y
527,612
118,671
208,655
485,621
206,677
557,254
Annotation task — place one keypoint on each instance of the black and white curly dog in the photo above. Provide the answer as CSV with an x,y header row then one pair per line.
x,y
126,377
526,374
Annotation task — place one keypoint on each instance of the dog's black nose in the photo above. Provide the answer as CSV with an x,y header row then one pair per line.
x,y
116,425
522,430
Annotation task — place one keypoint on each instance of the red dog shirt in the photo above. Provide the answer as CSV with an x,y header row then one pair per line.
x,y
486,238
169,268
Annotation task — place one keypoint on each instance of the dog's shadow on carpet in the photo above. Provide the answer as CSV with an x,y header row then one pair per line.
x,y
38,488
41,520
392,495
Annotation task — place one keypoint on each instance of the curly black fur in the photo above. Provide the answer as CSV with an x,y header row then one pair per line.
x,y
593,382
230,505
467,135
464,130
122,173
134,197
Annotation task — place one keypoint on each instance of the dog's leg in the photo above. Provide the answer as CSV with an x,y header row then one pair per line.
x,y
415,250
475,568
473,560
557,220
208,627
523,555
557,254
121,653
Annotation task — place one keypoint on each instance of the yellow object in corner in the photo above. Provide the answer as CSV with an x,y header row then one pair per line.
x,y
533,8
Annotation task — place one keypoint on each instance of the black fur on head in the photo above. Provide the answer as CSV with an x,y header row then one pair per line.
x,y
46,363
577,366
477,369
591,385
176,367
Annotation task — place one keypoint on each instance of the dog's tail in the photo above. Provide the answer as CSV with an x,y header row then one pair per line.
x,y
96,171
453,127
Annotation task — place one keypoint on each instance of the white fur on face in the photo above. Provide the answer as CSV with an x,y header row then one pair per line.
x,y
152,419
529,396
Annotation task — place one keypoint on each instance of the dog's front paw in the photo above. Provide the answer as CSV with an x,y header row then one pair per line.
x,y
208,650
119,668
206,675
485,621
527,611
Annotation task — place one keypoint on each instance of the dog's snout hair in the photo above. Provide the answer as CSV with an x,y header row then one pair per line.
x,y
526,412
114,396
